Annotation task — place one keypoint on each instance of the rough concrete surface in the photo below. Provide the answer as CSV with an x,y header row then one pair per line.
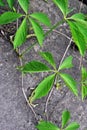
x,y
15,114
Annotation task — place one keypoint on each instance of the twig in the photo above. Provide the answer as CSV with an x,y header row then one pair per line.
x,y
60,33
54,26
28,49
81,5
81,59
47,102
65,53
27,99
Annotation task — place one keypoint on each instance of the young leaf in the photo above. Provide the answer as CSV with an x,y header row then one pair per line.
x,y
72,126
81,23
43,88
67,63
21,34
84,91
65,118
9,17
63,5
48,57
84,82
10,3
38,31
2,3
70,82
78,17
82,26
78,36
34,67
42,17
84,74
24,5
45,125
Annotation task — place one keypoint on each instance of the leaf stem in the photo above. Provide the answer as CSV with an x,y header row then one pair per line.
x,y
48,101
65,53
54,26
30,35
22,84
58,32
28,49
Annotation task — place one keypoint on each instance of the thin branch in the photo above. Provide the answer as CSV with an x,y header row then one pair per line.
x,y
81,5
65,53
28,49
60,33
30,35
47,102
22,84
80,64
54,26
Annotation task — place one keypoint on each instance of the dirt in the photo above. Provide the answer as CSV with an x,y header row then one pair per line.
x,y
15,114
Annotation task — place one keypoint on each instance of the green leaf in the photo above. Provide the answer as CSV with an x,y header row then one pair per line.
x,y
84,92
2,3
78,26
78,17
9,17
84,73
81,23
63,5
84,82
78,36
82,26
34,67
42,17
48,57
10,3
70,82
45,125
21,34
67,63
65,118
38,31
43,88
24,5
72,126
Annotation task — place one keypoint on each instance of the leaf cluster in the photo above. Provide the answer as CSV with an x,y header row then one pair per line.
x,y
45,125
46,85
34,21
